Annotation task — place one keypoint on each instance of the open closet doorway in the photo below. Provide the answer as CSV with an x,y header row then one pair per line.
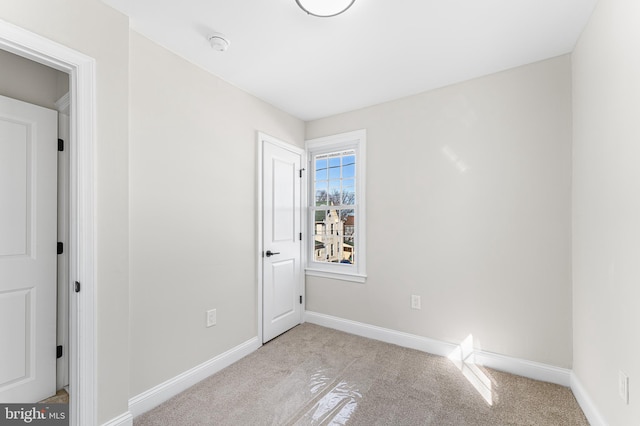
x,y
77,225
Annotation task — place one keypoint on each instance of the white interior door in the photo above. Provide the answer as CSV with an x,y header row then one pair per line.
x,y
28,221
282,256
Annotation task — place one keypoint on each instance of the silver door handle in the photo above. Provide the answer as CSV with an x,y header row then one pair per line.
x,y
270,253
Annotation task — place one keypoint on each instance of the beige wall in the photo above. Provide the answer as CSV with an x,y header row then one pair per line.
x,y
30,81
193,203
477,178
606,207
98,31
193,211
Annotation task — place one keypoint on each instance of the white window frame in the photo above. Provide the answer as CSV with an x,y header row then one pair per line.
x,y
356,140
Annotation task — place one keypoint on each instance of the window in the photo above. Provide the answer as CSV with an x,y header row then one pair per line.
x,y
336,206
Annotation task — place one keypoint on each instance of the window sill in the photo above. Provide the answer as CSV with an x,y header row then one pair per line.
x,y
356,278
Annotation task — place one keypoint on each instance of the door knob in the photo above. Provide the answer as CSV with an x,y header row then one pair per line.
x,y
270,253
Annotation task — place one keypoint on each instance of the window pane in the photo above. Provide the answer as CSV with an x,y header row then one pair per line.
x,y
319,231
349,166
348,240
334,232
348,192
321,193
334,193
334,168
320,222
321,169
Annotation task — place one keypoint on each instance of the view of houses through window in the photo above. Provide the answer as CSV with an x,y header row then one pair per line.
x,y
335,207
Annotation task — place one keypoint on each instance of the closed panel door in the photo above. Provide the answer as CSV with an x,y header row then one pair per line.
x,y
28,227
282,268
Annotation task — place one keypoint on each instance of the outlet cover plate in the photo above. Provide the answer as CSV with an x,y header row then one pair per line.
x,y
211,317
415,302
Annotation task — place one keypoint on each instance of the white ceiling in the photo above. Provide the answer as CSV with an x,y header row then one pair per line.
x,y
377,51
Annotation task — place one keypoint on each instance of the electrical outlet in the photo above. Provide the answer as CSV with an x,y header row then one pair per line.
x,y
623,386
211,317
415,302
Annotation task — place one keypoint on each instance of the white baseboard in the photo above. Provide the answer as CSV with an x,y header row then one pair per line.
x,y
521,367
125,419
586,403
155,396
399,338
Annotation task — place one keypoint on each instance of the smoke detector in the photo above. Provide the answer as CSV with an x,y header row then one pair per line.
x,y
218,41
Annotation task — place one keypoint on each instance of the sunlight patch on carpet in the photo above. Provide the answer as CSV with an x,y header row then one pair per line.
x,y
463,358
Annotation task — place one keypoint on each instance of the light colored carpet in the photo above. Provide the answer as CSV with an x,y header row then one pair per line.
x,y
61,397
313,375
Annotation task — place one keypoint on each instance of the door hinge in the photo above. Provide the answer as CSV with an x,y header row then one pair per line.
x,y
60,248
301,299
300,236
301,170
60,145
59,351
76,287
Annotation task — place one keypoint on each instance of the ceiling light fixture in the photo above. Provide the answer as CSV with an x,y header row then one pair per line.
x,y
218,41
325,8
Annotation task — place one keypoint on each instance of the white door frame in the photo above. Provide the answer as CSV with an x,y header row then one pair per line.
x,y
62,367
303,221
82,322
